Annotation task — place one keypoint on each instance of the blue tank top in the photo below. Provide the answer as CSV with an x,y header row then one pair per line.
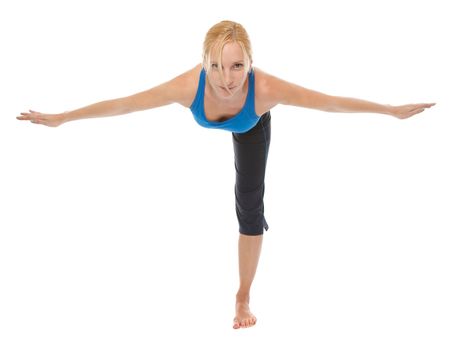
x,y
245,120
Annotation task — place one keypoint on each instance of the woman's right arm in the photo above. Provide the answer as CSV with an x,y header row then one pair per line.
x,y
172,91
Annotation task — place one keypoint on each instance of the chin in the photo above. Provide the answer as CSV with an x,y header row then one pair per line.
x,y
224,93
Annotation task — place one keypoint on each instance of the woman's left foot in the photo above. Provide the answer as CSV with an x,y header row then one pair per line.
x,y
243,316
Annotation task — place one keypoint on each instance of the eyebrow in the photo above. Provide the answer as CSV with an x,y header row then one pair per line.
x,y
232,63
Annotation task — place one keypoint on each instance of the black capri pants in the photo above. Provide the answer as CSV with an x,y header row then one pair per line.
x,y
251,149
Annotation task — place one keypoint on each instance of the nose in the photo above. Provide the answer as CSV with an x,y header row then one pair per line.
x,y
227,77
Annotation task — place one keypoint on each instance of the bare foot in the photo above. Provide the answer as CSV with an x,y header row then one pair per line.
x,y
243,317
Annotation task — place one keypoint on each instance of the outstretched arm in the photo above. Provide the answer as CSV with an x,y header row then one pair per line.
x,y
164,94
291,94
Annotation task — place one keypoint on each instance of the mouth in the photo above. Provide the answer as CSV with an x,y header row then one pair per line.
x,y
231,88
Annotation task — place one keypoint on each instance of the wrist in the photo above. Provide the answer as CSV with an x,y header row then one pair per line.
x,y
390,110
65,117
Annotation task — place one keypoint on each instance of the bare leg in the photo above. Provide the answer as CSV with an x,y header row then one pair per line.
x,y
249,252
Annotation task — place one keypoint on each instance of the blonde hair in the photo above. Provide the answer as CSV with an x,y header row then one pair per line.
x,y
218,36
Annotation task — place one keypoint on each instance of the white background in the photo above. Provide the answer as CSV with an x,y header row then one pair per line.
x,y
120,232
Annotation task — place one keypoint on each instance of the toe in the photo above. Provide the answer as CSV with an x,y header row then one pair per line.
x,y
236,324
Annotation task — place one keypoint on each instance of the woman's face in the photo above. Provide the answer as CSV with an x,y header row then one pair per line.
x,y
232,69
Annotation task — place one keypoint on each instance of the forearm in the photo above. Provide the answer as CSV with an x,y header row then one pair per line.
x,y
354,105
100,109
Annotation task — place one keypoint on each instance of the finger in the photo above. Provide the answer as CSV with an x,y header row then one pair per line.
x,y
423,105
417,107
417,111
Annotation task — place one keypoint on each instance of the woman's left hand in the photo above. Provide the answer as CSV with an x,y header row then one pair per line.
x,y
406,111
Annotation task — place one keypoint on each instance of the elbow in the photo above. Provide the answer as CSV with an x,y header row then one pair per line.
x,y
332,104
128,105
320,101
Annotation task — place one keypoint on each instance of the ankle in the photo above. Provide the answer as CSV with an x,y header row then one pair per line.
x,y
243,297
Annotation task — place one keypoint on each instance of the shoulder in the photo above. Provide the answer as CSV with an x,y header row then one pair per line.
x,y
267,88
273,90
190,75
269,85
186,85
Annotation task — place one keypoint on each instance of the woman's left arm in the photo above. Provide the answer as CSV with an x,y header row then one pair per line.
x,y
291,94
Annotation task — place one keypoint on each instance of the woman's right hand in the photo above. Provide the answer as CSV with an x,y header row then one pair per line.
x,y
41,118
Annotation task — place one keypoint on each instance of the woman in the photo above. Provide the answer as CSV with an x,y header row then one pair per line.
x,y
225,92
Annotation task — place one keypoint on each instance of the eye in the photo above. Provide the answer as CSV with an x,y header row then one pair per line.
x,y
238,65
214,66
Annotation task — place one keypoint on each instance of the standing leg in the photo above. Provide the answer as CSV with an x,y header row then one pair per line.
x,y
249,252
251,150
